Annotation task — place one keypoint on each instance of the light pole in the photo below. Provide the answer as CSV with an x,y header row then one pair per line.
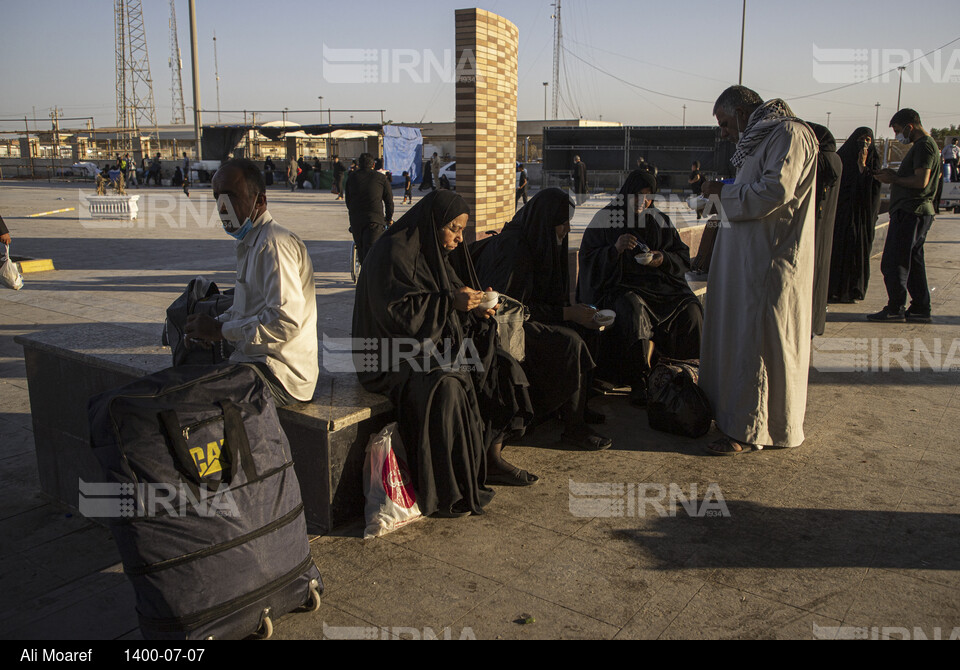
x,y
545,84
684,116
901,68
828,119
320,98
743,30
876,121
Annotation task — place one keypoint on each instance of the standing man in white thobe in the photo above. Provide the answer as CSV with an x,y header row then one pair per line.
x,y
755,352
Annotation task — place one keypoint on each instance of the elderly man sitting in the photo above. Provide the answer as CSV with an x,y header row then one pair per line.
x,y
273,321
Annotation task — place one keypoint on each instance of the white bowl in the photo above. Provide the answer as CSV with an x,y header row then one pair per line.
x,y
605,317
490,300
644,259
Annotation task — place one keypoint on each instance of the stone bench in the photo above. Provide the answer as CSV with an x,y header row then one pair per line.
x,y
66,367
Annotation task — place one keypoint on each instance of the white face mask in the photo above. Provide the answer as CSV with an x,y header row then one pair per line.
x,y
903,139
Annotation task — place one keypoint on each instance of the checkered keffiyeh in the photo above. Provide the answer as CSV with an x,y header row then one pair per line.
x,y
761,123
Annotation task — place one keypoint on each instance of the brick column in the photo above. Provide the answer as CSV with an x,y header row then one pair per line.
x,y
486,119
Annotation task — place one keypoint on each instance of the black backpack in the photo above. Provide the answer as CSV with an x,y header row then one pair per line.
x,y
200,297
676,404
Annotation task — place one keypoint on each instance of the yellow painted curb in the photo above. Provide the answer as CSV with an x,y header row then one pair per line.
x,y
38,265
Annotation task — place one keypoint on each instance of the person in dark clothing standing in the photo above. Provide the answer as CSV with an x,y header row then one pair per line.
x,y
522,184
338,171
407,189
369,200
268,168
855,224
579,175
829,167
427,182
912,189
696,180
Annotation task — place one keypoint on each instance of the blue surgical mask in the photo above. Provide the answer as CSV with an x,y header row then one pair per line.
x,y
229,219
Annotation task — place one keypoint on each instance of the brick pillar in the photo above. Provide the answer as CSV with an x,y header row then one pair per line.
x,y
486,119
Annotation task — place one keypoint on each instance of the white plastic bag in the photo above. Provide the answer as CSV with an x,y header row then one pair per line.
x,y
387,486
9,272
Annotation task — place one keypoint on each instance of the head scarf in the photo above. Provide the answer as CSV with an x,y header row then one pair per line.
x,y
761,123
526,261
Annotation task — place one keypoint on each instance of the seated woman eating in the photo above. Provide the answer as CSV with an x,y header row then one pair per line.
x,y
457,396
633,261
528,262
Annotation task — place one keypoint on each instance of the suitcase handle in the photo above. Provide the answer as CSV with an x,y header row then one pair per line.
x,y
235,452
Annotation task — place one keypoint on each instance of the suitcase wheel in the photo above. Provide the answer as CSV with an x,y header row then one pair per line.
x,y
313,604
265,631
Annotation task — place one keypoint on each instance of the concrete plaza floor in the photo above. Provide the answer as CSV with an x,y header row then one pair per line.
x,y
856,533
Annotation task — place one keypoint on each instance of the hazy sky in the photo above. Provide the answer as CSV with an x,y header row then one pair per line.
x,y
271,56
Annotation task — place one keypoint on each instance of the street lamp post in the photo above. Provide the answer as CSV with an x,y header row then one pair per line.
x,y
320,98
900,87
828,119
743,30
876,121
545,84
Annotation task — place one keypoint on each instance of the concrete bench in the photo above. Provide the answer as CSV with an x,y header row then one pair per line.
x,y
66,367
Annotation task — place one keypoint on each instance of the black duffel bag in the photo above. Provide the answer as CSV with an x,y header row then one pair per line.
x,y
207,512
200,297
676,404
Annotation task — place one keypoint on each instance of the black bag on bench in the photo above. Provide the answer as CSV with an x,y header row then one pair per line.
x,y
200,297
209,519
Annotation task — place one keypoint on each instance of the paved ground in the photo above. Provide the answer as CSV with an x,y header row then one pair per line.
x,y
855,533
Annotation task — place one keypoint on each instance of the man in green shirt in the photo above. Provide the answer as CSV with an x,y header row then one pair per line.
x,y
912,189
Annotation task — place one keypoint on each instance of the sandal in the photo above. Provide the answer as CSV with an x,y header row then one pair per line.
x,y
584,439
729,447
517,477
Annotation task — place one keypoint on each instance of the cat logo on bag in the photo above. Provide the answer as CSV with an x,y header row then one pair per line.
x,y
397,482
207,458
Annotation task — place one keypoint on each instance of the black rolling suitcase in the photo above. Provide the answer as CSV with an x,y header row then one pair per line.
x,y
209,520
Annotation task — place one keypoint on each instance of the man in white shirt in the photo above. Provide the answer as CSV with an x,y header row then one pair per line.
x,y
951,156
273,321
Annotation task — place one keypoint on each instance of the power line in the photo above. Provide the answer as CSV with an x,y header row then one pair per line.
x,y
631,84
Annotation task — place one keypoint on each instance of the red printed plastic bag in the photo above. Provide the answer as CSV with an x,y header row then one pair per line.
x,y
387,486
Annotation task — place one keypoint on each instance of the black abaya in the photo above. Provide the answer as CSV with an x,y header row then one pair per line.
x,y
652,304
448,416
856,220
829,169
527,262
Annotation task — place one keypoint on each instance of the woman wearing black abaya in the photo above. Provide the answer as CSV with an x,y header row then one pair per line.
x,y
452,420
655,307
528,262
856,219
828,189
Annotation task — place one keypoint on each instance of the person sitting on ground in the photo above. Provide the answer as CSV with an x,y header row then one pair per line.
x,y
454,413
528,262
273,321
369,199
633,262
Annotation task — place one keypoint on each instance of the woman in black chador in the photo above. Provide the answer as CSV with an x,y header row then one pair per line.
x,y
856,220
528,262
657,312
452,417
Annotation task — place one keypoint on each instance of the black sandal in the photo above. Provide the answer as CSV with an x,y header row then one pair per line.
x,y
516,478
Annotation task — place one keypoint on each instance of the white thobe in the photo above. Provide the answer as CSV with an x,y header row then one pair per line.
x,y
755,351
273,319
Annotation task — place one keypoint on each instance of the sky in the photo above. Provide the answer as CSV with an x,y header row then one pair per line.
x,y
637,62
